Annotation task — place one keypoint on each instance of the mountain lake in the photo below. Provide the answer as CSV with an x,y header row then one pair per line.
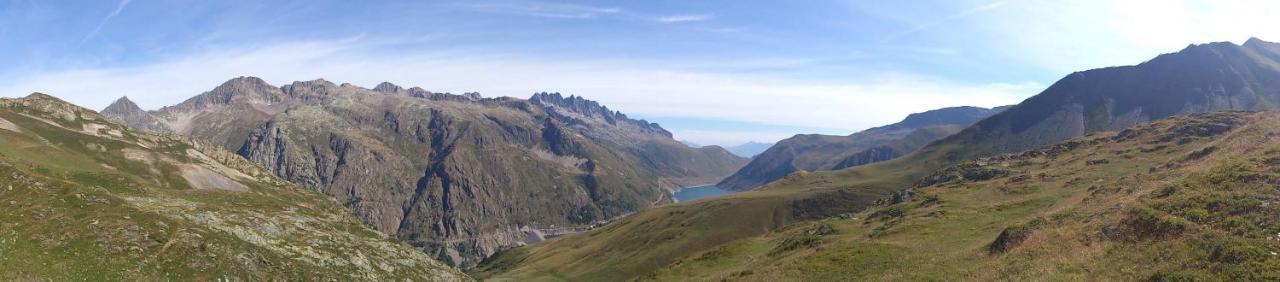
x,y
699,192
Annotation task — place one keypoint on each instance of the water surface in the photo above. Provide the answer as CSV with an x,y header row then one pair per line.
x,y
699,192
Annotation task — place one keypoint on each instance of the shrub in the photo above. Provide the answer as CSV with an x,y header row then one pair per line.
x,y
1200,154
1180,275
1144,223
1013,236
886,213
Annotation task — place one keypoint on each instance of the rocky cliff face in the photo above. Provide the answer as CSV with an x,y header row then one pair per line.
x,y
459,176
813,152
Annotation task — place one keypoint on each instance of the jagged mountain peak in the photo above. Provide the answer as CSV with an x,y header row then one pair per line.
x,y
314,84
122,105
592,109
317,81
1254,41
125,111
244,82
388,87
245,87
310,91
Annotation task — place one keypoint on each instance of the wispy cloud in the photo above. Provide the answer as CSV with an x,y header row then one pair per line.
x,y
684,18
545,10
1066,36
934,50
949,18
119,8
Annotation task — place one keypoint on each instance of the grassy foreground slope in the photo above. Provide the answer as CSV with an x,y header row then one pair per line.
x,y
83,198
647,240
1185,197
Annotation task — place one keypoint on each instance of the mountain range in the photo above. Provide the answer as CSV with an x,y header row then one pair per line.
x,y
750,149
458,176
815,152
1200,78
1160,171
1111,174
746,150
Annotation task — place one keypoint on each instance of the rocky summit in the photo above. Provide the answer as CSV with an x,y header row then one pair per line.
x,y
458,176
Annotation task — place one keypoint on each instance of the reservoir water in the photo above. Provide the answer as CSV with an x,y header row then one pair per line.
x,y
699,192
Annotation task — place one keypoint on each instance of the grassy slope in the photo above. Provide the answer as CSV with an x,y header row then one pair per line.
x,y
1155,208
75,207
1062,203
653,238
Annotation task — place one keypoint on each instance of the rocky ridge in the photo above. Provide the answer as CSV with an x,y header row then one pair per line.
x,y
459,176
814,152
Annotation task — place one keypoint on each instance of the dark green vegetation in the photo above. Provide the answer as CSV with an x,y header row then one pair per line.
x,y
85,199
1184,198
458,176
813,152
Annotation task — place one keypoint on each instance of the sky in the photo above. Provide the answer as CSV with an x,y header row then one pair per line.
x,y
711,71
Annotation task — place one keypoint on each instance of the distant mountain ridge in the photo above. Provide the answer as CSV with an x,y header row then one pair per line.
x,y
1200,78
813,152
749,149
459,176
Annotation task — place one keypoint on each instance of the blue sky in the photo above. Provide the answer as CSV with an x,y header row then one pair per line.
x,y
713,72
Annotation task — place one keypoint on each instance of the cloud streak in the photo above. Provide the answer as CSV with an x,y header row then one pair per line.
x,y
949,18
545,10
119,8
684,18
